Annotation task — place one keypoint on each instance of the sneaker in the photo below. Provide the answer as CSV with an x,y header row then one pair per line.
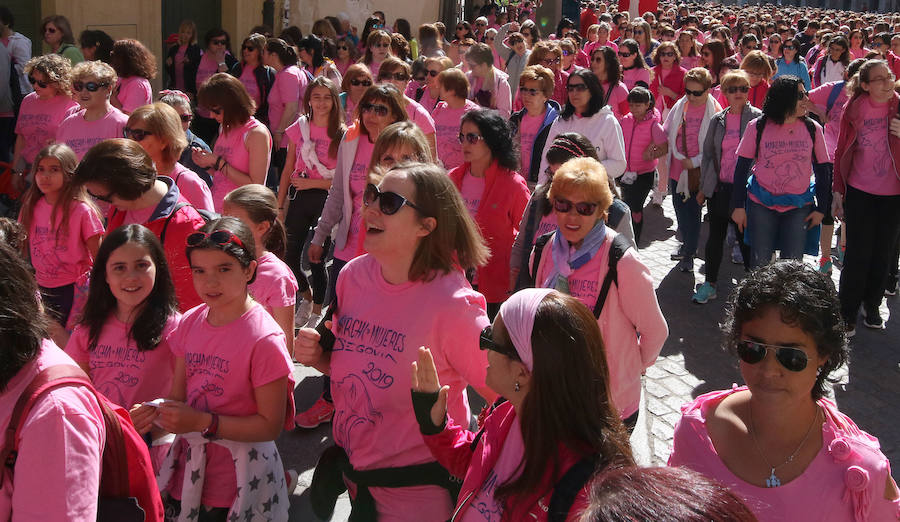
x,y
291,478
872,319
686,265
320,412
313,320
891,289
736,256
301,315
704,293
677,255
825,265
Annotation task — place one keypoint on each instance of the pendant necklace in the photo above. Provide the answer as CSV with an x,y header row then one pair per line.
x,y
773,481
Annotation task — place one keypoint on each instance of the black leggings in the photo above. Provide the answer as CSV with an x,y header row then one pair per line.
x,y
634,195
58,302
302,215
719,212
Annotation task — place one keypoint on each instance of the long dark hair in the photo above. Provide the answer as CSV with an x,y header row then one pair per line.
x,y
597,100
781,98
336,127
23,324
313,45
497,136
568,403
148,325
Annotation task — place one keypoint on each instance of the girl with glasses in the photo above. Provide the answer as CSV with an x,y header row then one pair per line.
x,y
257,77
546,357
454,91
183,59
790,62
777,443
410,288
835,59
758,67
575,261
92,84
135,66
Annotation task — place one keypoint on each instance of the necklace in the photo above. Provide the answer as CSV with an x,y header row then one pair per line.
x,y
773,481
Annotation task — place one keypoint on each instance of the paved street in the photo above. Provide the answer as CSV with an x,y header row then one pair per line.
x,y
692,362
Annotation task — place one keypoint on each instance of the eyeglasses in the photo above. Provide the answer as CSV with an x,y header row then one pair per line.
x,y
389,203
666,54
881,79
734,90
802,94
50,30
471,137
486,342
137,134
106,199
186,118
378,109
364,83
752,352
550,61
217,42
530,92
400,77
576,87
564,206
480,24
749,47
33,81
432,72
625,55
217,237
90,86
695,93
248,48
216,110
566,53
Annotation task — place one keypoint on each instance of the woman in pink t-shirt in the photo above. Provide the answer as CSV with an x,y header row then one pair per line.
x,y
287,91
157,128
777,442
526,444
241,154
605,65
408,291
64,230
346,55
256,76
233,388
135,66
687,46
43,110
454,89
354,84
634,69
121,341
378,47
867,190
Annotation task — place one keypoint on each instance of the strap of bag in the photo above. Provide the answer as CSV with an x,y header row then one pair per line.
x,y
684,132
760,125
566,490
538,252
833,96
619,245
178,206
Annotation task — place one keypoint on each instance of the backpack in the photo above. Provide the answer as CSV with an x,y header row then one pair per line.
x,y
810,127
205,214
128,490
619,245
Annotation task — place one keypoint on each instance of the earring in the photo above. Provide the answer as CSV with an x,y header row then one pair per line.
x,y
517,386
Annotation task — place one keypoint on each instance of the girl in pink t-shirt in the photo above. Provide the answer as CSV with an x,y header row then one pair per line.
x,y
135,66
233,379
275,286
64,230
122,339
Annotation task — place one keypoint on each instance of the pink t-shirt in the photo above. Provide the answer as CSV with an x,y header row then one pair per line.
x,y
81,135
446,125
618,99
819,96
689,62
370,380
693,118
232,145
57,473
636,74
119,370
290,86
420,116
319,135
349,110
248,79
138,216
429,102
729,147
195,190
484,507
822,493
639,136
179,67
39,120
206,68
873,167
134,92
529,128
275,285
548,224
60,259
359,173
784,162
472,190
223,366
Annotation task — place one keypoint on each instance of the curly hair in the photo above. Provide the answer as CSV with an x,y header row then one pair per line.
x,y
497,136
100,71
56,68
781,99
131,58
805,298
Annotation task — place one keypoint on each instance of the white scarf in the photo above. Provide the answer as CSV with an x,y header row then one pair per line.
x,y
308,151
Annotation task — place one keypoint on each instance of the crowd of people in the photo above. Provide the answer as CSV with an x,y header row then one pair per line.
x,y
457,208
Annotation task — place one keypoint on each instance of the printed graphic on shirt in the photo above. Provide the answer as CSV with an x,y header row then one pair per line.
x,y
47,252
360,410
871,137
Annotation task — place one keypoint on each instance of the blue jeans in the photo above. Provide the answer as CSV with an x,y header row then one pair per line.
x,y
767,228
688,215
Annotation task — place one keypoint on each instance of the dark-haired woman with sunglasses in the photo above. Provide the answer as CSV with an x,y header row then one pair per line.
x,y
634,68
409,290
216,58
576,260
790,62
345,55
777,442
98,120
256,76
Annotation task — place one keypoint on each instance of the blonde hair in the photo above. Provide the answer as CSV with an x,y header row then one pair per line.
x,y
164,123
586,177
758,63
540,74
400,134
101,71
699,75
57,69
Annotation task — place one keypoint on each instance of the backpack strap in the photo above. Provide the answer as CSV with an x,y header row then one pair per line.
x,y
811,128
619,245
538,252
566,490
760,125
178,206
420,91
833,96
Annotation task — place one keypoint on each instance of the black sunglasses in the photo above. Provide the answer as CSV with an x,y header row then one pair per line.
x,y
400,77
378,109
247,48
565,206
802,94
364,83
106,199
625,55
33,81
788,47
218,237
389,203
90,86
666,54
471,137
432,72
137,134
217,42
576,87
695,93
343,48
735,89
186,118
486,342
752,352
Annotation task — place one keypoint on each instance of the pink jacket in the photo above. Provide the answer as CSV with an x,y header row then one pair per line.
x,y
846,145
631,308
453,449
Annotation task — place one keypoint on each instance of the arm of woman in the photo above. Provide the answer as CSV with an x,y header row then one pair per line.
x,y
286,173
518,247
17,150
288,117
284,316
258,146
504,98
333,211
614,145
93,244
640,306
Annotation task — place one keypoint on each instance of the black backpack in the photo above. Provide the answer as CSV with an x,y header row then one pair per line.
x,y
810,127
619,245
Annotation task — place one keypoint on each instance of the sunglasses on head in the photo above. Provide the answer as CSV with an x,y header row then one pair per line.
x,y
400,77
576,87
389,203
471,137
736,89
216,237
33,81
378,109
90,86
624,55
486,342
752,352
530,92
137,134
584,208
364,83
695,93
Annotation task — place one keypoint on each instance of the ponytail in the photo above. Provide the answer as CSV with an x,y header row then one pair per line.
x,y
261,207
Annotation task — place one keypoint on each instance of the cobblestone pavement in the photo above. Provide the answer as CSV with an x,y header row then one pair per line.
x,y
692,362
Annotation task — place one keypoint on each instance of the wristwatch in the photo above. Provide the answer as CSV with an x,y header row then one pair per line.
x,y
213,428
